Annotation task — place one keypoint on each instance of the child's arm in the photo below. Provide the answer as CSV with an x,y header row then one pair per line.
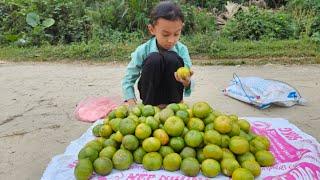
x,y
189,84
131,76
186,57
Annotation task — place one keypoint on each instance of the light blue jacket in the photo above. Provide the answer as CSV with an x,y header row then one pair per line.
x,y
137,57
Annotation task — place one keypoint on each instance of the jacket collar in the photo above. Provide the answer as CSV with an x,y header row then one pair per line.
x,y
154,47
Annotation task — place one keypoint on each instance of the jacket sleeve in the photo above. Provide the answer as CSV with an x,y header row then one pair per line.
x,y
132,74
187,63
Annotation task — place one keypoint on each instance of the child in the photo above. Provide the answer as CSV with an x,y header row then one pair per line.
x,y
157,60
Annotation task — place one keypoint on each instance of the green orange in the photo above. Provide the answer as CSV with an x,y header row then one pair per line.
x,y
114,123
162,136
135,110
227,154
174,106
200,155
252,166
83,169
151,144
143,131
96,130
112,114
201,110
239,145
235,131
188,152
88,152
105,131
193,138
210,168
148,110
152,161
223,124
184,115
183,106
95,145
244,125
152,122
103,166
265,158
209,126
165,114
228,166
212,137
212,151
248,156
210,119
127,126
172,162
108,152
138,155
177,143
183,72
190,167
174,126
130,142
121,111
225,140
196,124
165,150
122,159
110,142
118,137
242,173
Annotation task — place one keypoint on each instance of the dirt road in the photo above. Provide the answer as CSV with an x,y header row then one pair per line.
x,y
38,99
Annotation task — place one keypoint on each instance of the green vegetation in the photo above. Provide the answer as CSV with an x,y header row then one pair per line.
x,y
221,52
109,30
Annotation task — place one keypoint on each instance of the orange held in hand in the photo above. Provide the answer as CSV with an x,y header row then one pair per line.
x,y
183,73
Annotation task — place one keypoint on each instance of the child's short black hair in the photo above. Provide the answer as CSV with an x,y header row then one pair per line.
x,y
166,10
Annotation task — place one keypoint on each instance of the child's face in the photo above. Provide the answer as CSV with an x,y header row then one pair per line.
x,y
166,32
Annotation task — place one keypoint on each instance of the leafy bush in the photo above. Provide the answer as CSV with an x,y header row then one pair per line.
x,y
308,5
316,37
12,21
315,26
203,43
210,4
125,20
307,15
257,24
85,20
213,5
276,4
198,20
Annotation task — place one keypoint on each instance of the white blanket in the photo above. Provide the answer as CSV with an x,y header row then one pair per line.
x,y
297,156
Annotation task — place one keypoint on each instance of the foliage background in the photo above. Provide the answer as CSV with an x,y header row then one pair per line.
x,y
112,28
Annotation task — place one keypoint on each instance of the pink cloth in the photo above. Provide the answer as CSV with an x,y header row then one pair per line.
x,y
93,108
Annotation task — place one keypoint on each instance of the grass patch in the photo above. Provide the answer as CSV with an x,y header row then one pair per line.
x,y
276,48
203,50
93,51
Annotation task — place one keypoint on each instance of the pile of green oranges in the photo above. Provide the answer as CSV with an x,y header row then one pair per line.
x,y
178,137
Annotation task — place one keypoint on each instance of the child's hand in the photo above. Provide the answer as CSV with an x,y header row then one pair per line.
x,y
186,81
130,102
